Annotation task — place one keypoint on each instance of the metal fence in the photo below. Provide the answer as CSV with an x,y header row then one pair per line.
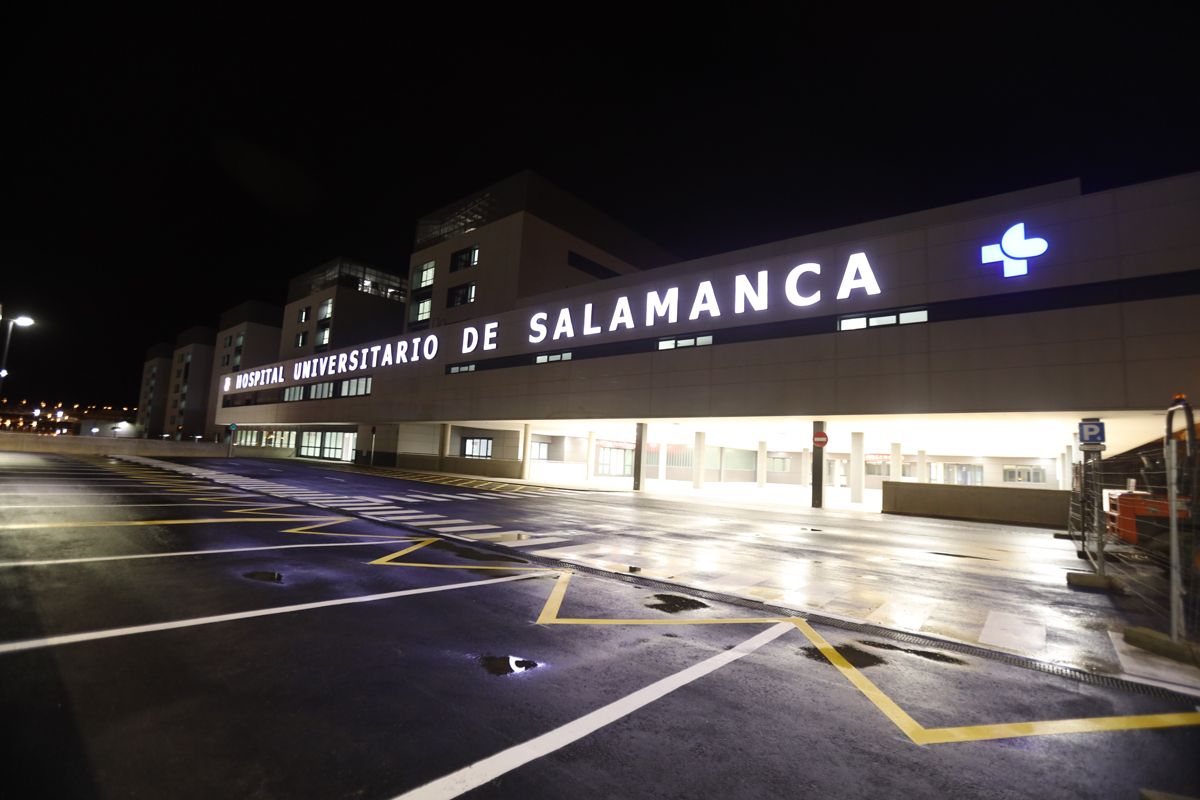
x,y
1121,521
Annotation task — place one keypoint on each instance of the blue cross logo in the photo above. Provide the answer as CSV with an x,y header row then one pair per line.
x,y
1014,251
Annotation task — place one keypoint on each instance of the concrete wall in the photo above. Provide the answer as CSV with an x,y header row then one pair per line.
x,y
485,467
105,445
1039,507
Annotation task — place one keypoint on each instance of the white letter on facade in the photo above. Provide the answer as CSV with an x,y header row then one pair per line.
x,y
564,327
793,294
470,339
621,315
705,301
858,275
537,324
588,327
743,291
668,305
489,336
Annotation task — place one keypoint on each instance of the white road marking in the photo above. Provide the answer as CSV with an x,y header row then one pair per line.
x,y
395,497
481,772
904,612
1013,632
52,561
339,480
74,638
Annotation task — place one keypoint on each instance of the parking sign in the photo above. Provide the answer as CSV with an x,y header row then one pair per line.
x,y
1091,431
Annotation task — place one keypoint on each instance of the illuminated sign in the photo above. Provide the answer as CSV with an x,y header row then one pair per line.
x,y
750,292
704,299
1014,251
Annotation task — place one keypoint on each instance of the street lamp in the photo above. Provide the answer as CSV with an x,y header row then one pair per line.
x,y
21,321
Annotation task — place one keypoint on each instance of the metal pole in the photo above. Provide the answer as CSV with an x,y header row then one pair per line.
x,y
818,467
1097,508
8,326
372,447
1176,582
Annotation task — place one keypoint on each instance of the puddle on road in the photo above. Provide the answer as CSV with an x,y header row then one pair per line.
x,y
507,665
472,554
857,658
932,655
264,575
673,603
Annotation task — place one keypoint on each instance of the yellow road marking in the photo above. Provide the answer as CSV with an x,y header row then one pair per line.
x,y
1012,730
118,523
916,732
909,726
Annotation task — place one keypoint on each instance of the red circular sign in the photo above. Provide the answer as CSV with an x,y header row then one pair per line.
x,y
820,439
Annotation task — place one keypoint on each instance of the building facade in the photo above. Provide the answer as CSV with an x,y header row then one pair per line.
x,y
247,336
153,397
190,373
960,344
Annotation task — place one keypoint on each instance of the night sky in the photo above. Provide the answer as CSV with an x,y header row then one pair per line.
x,y
159,172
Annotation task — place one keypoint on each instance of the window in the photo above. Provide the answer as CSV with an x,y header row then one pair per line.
x,y
539,451
225,360
320,391
616,461
356,386
958,474
423,275
464,259
304,314
241,339
325,311
310,444
293,393
779,464
454,369
686,341
859,322
1024,473
460,295
228,340
322,336
237,360
332,446
301,338
422,310
477,447
545,359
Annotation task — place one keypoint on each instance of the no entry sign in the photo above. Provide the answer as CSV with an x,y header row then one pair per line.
x,y
820,439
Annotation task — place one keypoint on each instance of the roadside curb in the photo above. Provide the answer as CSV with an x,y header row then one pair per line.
x,y
1162,645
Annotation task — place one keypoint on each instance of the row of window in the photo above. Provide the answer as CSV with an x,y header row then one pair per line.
x,y
685,341
351,387
335,445
878,319
324,311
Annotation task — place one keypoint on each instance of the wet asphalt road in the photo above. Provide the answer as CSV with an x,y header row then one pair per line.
x,y
248,673
940,577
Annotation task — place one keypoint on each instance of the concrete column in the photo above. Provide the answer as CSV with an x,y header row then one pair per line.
x,y
526,441
805,467
721,465
639,458
698,460
444,446
818,468
590,471
760,465
896,471
662,461
857,469
922,467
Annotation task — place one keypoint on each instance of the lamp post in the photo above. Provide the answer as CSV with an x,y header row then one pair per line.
x,y
8,322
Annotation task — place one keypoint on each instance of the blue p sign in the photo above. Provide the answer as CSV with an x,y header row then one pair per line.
x,y
1091,431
